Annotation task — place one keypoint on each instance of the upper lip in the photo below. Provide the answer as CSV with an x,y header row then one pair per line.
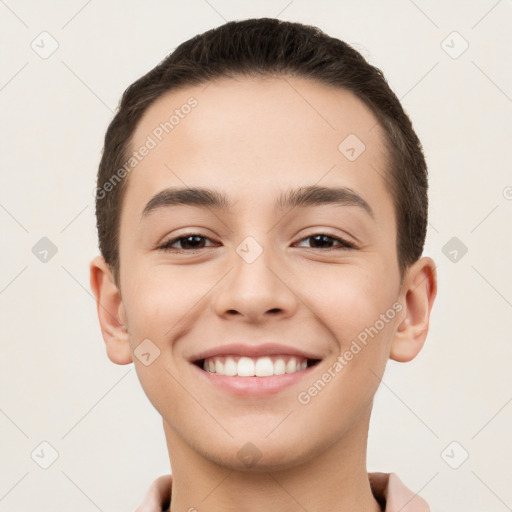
x,y
264,349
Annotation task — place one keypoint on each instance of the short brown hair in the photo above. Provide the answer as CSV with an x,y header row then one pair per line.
x,y
268,47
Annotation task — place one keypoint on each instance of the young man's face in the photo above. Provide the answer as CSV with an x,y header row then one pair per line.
x,y
261,280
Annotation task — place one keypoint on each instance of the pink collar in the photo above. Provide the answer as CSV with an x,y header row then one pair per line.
x,y
387,489
392,494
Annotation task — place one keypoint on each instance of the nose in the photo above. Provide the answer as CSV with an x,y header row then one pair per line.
x,y
256,291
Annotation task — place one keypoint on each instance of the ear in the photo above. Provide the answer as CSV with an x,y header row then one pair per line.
x,y
111,312
418,292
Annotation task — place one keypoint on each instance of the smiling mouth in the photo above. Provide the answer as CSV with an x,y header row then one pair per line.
x,y
265,366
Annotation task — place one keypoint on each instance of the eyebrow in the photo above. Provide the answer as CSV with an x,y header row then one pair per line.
x,y
312,195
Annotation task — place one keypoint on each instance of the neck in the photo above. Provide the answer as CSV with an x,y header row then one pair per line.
x,y
335,480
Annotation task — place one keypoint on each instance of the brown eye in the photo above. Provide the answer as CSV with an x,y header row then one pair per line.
x,y
323,241
188,242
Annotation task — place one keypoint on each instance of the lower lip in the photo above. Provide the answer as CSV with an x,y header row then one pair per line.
x,y
255,386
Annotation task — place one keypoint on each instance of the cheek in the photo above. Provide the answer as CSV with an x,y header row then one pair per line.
x,y
159,301
360,318
353,302
158,311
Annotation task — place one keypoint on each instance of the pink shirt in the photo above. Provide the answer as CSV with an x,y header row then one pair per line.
x,y
387,488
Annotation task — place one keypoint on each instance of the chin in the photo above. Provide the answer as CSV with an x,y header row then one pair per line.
x,y
260,455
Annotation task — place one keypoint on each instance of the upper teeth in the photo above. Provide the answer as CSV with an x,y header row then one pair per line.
x,y
254,366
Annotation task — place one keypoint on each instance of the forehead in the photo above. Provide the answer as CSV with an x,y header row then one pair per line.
x,y
251,135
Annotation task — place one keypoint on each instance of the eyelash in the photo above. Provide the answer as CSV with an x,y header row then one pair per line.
x,y
167,245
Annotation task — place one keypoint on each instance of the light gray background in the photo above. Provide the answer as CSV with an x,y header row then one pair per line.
x,y
56,382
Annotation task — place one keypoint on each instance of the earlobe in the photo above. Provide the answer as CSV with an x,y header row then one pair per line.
x,y
111,314
418,294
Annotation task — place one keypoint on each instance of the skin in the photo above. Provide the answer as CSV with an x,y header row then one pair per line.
x,y
253,138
